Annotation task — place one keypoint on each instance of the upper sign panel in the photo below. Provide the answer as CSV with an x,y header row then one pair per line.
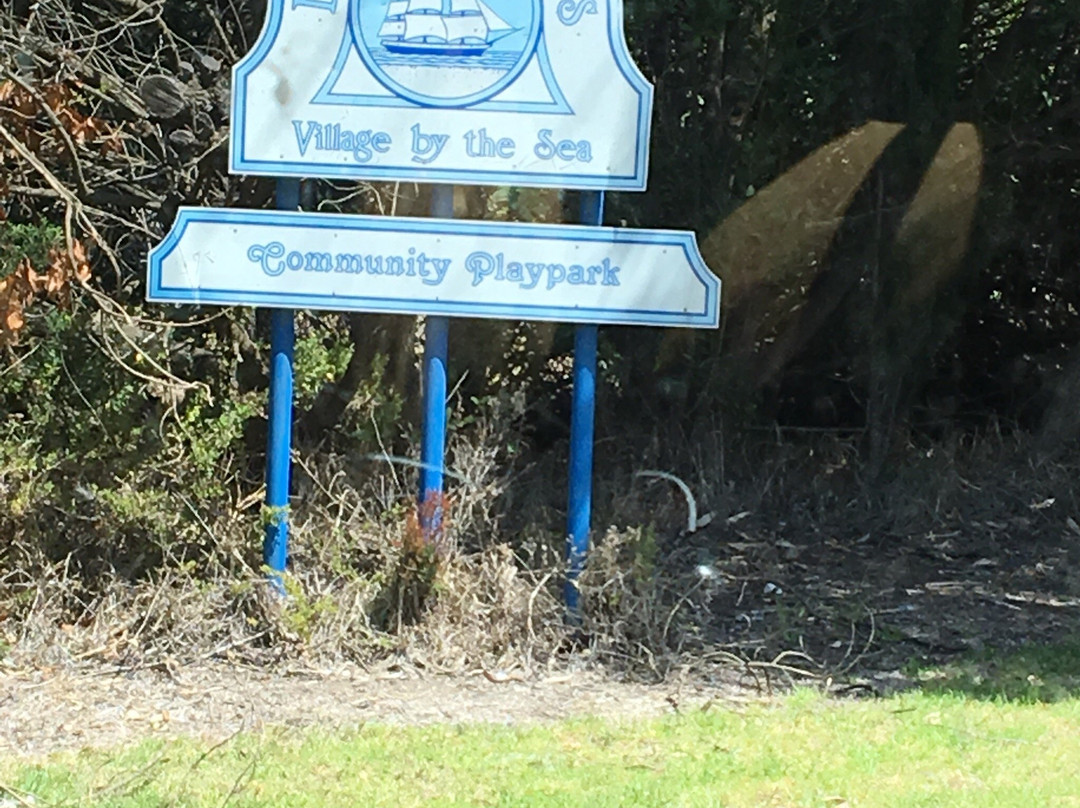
x,y
482,92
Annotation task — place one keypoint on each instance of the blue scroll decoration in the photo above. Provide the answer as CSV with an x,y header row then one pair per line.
x,y
571,11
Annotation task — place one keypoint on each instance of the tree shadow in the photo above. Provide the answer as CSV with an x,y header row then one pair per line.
x,y
1032,674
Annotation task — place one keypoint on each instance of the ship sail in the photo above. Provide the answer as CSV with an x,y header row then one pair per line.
x,y
462,28
425,6
392,28
418,26
493,20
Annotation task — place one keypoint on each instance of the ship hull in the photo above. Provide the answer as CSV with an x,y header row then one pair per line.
x,y
435,49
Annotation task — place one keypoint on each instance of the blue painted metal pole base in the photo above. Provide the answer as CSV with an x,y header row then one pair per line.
x,y
583,415
433,441
279,440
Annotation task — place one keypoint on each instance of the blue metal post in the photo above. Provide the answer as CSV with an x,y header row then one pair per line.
x,y
279,442
579,511
433,441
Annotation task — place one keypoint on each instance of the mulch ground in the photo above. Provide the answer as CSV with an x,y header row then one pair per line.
x,y
864,597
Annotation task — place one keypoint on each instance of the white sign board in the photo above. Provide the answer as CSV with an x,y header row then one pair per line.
x,y
505,270
482,92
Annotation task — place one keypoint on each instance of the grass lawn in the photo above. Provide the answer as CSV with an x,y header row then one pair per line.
x,y
919,749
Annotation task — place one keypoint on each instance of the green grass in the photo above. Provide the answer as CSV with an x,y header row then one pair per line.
x,y
913,750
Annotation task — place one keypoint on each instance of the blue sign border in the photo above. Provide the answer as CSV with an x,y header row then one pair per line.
x,y
239,163
707,317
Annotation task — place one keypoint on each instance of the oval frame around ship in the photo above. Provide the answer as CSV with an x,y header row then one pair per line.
x,y
442,53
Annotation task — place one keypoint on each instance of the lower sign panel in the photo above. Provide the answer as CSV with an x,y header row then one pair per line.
x,y
430,266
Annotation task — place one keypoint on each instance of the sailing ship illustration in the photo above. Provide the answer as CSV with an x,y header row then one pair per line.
x,y
441,27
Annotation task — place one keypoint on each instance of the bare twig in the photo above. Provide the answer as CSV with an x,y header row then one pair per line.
x,y
238,784
23,798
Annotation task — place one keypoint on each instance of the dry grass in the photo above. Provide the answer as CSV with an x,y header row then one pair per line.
x,y
799,569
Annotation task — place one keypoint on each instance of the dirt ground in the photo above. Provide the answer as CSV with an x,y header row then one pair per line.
x,y
47,711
